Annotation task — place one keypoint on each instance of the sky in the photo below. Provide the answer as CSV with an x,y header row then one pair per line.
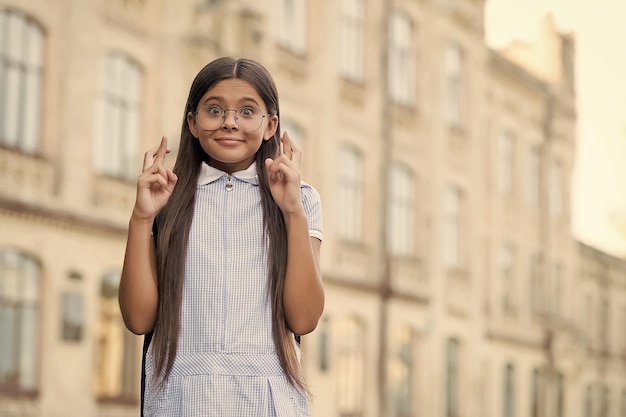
x,y
599,180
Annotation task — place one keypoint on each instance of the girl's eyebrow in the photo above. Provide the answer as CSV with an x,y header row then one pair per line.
x,y
220,99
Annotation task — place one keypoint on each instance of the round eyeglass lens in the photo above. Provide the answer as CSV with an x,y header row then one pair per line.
x,y
247,118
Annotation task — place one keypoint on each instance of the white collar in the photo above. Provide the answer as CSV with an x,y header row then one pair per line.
x,y
209,174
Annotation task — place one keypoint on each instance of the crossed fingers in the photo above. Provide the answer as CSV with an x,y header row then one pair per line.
x,y
155,157
290,150
154,164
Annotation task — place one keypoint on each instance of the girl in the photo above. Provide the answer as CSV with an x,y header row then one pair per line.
x,y
232,271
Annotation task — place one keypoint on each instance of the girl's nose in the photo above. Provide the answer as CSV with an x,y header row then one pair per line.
x,y
230,120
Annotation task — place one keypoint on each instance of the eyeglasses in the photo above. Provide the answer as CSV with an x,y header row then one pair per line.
x,y
247,118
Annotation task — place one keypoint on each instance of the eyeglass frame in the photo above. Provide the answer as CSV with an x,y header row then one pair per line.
x,y
236,118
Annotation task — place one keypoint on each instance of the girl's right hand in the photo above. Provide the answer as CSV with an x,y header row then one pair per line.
x,y
155,184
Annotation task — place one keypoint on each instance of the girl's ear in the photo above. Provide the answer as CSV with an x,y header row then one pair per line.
x,y
272,125
191,121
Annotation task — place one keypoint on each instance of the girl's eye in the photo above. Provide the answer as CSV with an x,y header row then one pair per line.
x,y
215,111
247,111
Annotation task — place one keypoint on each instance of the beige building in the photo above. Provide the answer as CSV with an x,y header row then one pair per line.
x,y
454,285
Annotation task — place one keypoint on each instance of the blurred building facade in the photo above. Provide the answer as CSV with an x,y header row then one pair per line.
x,y
454,285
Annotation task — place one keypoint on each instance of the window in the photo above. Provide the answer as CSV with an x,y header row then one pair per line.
x,y
21,73
506,265
350,369
401,64
351,39
452,378
535,392
535,284
324,344
118,117
534,177
72,316
19,321
291,25
400,211
603,325
349,193
509,391
453,68
295,132
622,332
556,190
452,228
401,373
505,163
296,135
605,401
588,402
560,396
586,321
116,348
557,279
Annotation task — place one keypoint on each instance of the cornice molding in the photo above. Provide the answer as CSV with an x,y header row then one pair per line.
x,y
58,218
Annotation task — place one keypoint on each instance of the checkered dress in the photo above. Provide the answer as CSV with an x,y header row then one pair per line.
x,y
226,363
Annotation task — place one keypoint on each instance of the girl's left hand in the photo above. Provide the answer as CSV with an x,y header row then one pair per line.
x,y
284,177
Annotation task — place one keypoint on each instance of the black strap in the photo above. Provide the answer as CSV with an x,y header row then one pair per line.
x,y
146,343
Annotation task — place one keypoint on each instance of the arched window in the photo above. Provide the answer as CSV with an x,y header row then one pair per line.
x,y
21,73
401,60
117,360
452,378
350,366
291,19
508,406
20,277
453,67
401,211
506,162
351,39
349,193
297,135
401,373
118,117
452,227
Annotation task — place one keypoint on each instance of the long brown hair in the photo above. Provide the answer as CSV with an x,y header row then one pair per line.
x,y
175,218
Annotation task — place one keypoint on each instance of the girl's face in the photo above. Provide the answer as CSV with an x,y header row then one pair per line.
x,y
225,123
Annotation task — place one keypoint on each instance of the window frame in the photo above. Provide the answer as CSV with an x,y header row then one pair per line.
x,y
119,116
351,43
506,162
111,328
557,190
507,273
401,210
22,68
27,267
349,193
291,25
454,85
453,228
403,362
350,366
401,61
533,183
508,398
453,377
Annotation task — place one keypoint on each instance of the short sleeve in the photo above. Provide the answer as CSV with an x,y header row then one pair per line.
x,y
313,208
